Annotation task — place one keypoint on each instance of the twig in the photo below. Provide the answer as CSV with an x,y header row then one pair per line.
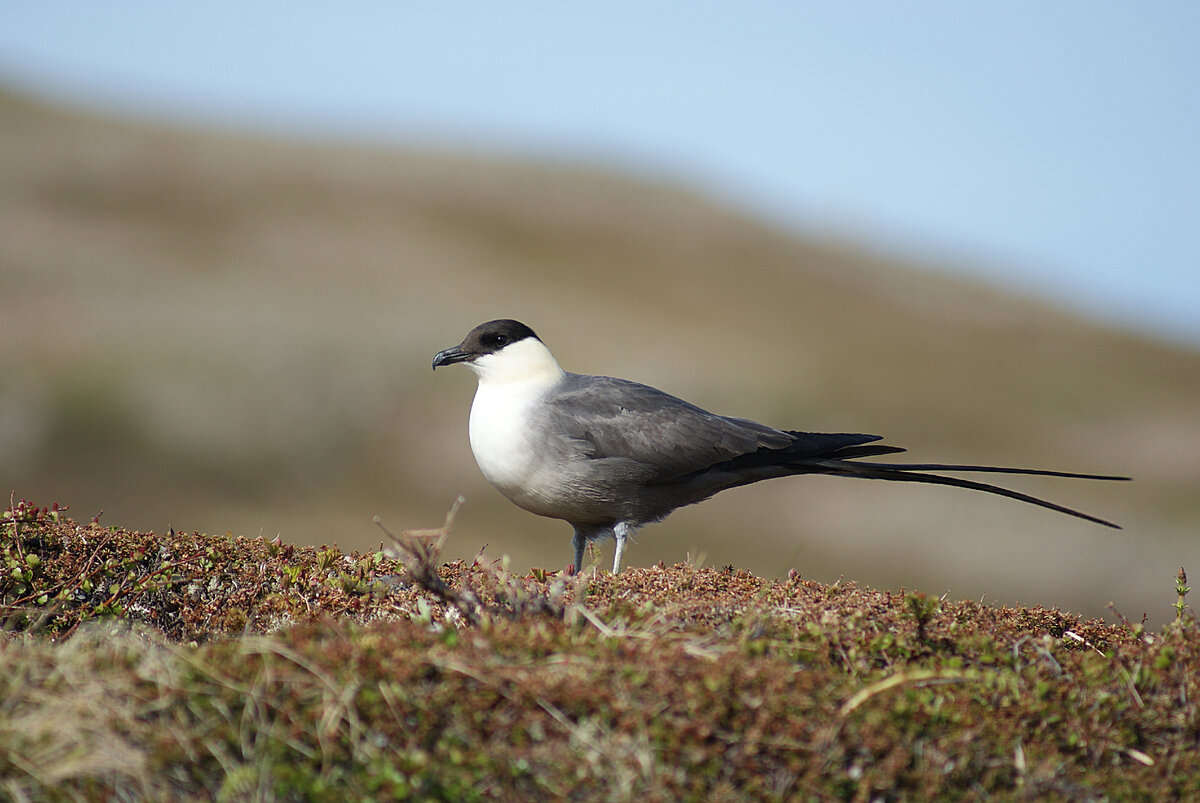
x,y
421,551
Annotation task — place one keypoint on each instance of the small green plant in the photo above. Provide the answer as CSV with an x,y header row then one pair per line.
x,y
1181,591
922,608
291,574
327,558
21,574
350,583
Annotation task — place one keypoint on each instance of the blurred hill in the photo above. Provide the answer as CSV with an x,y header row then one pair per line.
x,y
216,332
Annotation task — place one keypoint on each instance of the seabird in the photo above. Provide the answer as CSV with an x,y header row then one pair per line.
x,y
609,455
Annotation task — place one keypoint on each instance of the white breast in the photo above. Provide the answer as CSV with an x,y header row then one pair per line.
x,y
500,436
511,382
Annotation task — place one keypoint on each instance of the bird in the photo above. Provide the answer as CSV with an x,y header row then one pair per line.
x,y
610,455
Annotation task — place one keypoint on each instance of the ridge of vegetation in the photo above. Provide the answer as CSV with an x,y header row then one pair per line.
x,y
198,667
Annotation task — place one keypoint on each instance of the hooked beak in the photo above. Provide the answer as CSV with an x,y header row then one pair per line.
x,y
450,356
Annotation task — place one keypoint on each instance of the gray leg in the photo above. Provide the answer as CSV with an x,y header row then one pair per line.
x,y
579,542
621,532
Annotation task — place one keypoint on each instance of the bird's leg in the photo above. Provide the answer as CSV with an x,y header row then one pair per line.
x,y
621,532
579,541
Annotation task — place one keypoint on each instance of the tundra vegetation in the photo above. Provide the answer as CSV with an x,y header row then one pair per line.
x,y
186,666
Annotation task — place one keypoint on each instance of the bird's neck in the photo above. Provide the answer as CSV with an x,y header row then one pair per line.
x,y
527,364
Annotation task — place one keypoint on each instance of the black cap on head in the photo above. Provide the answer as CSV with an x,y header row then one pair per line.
x,y
487,338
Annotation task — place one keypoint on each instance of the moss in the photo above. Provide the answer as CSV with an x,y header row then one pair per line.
x,y
223,681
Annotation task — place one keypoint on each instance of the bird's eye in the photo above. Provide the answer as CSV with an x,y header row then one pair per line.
x,y
496,339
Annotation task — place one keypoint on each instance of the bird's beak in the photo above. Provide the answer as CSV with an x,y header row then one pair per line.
x,y
450,356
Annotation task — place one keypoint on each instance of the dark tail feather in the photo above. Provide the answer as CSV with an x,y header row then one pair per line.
x,y
870,450
913,473
1041,472
824,445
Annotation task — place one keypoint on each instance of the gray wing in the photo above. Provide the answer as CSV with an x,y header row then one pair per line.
x,y
603,417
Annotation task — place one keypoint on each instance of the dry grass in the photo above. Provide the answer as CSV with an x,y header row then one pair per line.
x,y
228,669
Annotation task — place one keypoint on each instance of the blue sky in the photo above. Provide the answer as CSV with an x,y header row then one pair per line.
x,y
1053,147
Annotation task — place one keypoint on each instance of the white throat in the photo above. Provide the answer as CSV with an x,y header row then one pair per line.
x,y
526,362
510,382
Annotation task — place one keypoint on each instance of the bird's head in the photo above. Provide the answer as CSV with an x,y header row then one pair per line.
x,y
502,350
